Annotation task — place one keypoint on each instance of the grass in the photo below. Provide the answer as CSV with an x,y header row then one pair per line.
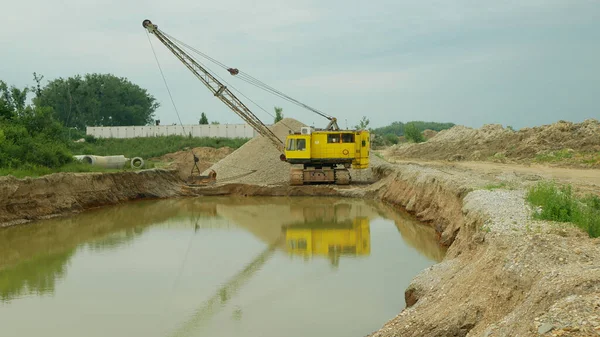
x,y
38,171
554,156
557,203
150,146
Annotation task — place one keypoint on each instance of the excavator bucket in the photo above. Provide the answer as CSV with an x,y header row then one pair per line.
x,y
201,180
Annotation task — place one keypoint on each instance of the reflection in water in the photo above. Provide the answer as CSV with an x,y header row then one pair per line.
x,y
330,238
35,276
35,258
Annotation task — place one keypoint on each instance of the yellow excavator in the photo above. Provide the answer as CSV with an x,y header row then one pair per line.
x,y
315,155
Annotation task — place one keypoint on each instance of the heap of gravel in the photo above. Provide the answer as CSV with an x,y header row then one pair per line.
x,y
506,210
257,162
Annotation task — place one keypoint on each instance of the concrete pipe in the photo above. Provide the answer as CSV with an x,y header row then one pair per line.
x,y
137,163
115,162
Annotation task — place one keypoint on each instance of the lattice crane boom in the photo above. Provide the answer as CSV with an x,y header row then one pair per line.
x,y
215,86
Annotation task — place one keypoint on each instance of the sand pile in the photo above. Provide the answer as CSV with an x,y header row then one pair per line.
x,y
496,142
183,161
257,162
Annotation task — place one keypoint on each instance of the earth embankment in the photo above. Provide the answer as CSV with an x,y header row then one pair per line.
x,y
24,200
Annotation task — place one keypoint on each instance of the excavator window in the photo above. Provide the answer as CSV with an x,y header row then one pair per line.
x,y
347,138
301,144
296,144
333,138
291,146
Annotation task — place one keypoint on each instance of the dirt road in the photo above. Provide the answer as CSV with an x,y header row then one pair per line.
x,y
584,180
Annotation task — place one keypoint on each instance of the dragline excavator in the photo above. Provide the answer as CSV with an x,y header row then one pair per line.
x,y
315,155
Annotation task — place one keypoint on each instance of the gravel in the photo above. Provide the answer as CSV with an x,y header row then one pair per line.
x,y
257,161
505,210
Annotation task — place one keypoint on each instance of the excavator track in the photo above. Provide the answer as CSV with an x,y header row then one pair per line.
x,y
342,177
296,176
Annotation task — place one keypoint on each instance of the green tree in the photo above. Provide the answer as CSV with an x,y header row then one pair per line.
x,y
12,101
215,123
391,138
97,100
362,124
412,132
278,114
203,119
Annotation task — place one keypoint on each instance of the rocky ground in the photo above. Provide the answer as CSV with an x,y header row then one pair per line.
x,y
505,274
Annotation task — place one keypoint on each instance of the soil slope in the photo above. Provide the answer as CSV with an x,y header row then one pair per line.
x,y
563,142
23,200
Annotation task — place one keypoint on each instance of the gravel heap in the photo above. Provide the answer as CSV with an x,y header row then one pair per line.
x,y
257,162
493,141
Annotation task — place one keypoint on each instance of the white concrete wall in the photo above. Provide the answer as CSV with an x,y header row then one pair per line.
x,y
210,130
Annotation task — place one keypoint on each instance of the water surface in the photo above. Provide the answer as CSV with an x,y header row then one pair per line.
x,y
212,267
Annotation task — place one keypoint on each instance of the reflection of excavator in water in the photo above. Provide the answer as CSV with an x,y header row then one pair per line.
x,y
326,238
321,234
316,155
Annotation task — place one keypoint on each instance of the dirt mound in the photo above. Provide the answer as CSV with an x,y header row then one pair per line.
x,y
575,143
183,161
257,162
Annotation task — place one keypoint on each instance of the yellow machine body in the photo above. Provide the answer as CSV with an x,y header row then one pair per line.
x,y
323,152
351,238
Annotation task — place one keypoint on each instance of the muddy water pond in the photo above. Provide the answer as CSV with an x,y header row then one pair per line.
x,y
212,267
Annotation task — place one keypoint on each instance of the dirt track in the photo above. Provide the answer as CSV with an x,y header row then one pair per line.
x,y
586,180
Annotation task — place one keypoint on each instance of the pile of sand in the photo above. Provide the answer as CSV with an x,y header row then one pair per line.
x,y
257,162
494,141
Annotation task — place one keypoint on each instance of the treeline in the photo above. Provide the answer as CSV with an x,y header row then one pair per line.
x,y
410,131
40,133
398,128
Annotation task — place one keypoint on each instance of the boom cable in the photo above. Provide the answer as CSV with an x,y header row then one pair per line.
x,y
184,46
250,79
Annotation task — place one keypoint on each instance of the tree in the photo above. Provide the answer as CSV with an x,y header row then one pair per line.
x,y
215,123
278,114
29,134
411,131
203,119
363,124
12,101
97,100
390,138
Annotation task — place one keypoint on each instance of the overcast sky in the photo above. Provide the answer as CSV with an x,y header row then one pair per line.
x,y
471,62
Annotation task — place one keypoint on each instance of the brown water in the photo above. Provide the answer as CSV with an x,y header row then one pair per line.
x,y
212,267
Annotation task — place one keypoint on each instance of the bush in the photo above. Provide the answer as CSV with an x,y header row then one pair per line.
x,y
412,133
391,138
557,203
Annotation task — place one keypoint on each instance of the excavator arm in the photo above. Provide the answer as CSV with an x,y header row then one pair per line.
x,y
216,87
